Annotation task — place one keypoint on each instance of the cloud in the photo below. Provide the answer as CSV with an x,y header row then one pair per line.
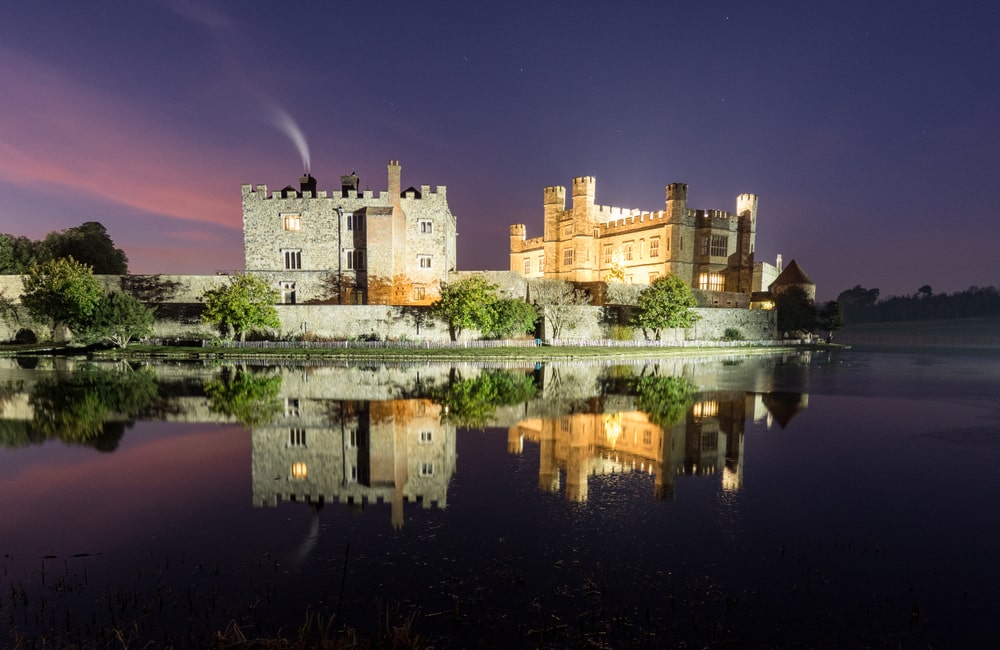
x,y
59,135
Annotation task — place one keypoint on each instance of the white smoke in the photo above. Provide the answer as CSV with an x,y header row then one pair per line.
x,y
287,125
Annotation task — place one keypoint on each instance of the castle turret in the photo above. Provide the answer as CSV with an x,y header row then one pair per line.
x,y
677,196
584,188
747,204
394,174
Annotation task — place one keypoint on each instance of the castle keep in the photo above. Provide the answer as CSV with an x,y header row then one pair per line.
x,y
348,246
711,250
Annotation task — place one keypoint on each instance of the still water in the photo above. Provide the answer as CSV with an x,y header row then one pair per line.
x,y
818,500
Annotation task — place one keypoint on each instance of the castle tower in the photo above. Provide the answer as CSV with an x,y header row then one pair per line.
x,y
554,202
677,196
394,184
747,204
516,245
584,188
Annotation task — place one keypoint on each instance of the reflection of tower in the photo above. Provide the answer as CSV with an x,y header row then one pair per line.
x,y
358,452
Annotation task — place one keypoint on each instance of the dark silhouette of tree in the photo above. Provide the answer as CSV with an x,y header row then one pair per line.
x,y
472,402
796,313
831,318
90,244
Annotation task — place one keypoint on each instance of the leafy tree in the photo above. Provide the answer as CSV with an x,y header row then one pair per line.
x,y
666,303
17,254
61,291
512,317
557,301
831,317
90,244
244,303
251,399
796,313
119,318
466,304
857,302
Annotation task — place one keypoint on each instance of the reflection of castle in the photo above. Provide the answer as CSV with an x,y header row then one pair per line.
x,y
709,441
356,452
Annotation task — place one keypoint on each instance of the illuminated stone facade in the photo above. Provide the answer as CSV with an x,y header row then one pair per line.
x,y
709,249
348,246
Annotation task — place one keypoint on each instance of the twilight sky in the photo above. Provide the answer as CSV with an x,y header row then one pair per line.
x,y
869,130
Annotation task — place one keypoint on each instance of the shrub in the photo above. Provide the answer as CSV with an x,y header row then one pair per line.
x,y
732,334
622,333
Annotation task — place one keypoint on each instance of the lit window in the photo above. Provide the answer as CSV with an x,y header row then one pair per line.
x,y
424,261
527,266
299,471
568,257
654,247
720,244
426,437
292,222
356,260
426,227
711,282
607,254
296,437
293,260
427,469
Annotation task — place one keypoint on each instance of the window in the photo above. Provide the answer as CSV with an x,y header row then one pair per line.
x,y
355,222
419,293
299,471
711,282
628,250
293,260
568,228
354,474
287,292
356,260
426,437
296,437
568,257
527,266
427,469
292,222
291,407
607,253
351,441
652,277
647,437
654,247
705,241
426,227
642,248
424,261
720,244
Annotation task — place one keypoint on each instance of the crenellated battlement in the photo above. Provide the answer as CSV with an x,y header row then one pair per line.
x,y
554,194
637,221
517,230
746,203
440,193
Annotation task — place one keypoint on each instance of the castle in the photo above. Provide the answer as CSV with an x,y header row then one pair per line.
x,y
711,250
348,246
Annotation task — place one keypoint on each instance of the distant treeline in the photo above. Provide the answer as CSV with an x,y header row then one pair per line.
x,y
88,243
862,305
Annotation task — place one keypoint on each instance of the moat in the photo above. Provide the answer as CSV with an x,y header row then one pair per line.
x,y
817,499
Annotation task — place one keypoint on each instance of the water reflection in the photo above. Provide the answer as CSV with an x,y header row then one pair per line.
x,y
363,435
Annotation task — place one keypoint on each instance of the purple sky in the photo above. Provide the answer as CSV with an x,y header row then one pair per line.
x,y
870,131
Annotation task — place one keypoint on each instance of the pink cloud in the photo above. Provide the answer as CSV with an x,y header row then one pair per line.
x,y
56,132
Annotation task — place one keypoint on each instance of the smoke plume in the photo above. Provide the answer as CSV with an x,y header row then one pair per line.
x,y
287,125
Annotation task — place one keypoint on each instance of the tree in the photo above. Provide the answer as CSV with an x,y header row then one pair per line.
x,y
466,304
244,303
831,318
61,292
512,317
119,318
796,313
666,303
90,244
17,254
558,301
857,302
471,403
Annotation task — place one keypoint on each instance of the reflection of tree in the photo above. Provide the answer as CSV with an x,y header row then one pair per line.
x,y
664,399
471,403
239,393
76,409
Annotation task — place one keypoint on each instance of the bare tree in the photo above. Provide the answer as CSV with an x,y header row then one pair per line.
x,y
557,301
